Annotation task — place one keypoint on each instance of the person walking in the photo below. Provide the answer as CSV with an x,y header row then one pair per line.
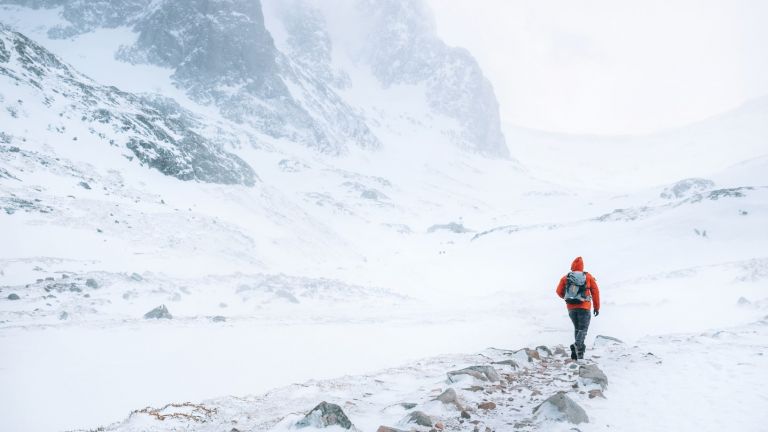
x,y
580,291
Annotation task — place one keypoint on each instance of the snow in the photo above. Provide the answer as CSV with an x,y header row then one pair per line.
x,y
327,291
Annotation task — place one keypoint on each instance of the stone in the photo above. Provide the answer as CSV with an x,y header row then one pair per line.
x,y
388,429
218,318
136,277
13,296
483,373
63,315
465,414
440,425
560,407
602,340
559,350
408,405
84,185
542,350
418,417
596,393
591,374
91,283
486,406
160,312
323,415
743,301
510,363
449,397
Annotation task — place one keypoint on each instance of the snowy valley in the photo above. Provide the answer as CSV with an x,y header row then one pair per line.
x,y
229,212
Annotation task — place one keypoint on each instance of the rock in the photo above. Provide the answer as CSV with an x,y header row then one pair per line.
x,y
388,429
486,405
526,355
743,301
13,296
323,415
418,417
596,393
65,276
84,185
560,407
63,315
483,373
91,283
592,374
160,312
560,350
542,350
440,425
511,363
408,405
136,277
449,397
218,318
602,340
465,414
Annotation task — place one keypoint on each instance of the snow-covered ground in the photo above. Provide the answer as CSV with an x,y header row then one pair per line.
x,y
362,278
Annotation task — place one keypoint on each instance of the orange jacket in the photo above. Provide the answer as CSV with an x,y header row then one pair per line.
x,y
592,289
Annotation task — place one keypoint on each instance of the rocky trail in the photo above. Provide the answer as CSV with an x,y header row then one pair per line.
x,y
495,390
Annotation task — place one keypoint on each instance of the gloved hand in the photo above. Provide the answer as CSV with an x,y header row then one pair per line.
x,y
597,312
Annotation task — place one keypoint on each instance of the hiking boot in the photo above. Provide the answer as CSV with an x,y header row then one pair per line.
x,y
573,352
580,351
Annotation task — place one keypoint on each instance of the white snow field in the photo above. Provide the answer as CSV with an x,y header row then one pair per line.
x,y
358,277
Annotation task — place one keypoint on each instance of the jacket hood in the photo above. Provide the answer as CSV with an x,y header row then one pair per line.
x,y
577,264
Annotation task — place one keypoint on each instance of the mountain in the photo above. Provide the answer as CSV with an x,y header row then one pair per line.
x,y
42,92
222,53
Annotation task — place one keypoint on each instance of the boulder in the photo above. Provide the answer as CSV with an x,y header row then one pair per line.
x,y
511,363
160,312
591,374
388,429
450,397
560,407
13,296
418,417
323,415
483,373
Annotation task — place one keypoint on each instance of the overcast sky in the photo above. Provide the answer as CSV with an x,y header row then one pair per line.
x,y
613,66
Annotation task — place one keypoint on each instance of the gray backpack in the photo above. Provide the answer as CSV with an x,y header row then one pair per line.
x,y
576,288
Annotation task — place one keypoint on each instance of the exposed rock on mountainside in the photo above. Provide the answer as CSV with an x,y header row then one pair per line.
x,y
403,48
156,130
222,54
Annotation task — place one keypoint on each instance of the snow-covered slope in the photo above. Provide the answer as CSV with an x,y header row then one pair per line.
x,y
321,221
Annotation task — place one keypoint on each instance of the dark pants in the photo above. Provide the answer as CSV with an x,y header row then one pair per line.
x,y
580,319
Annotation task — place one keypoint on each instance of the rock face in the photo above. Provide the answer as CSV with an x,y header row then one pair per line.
x,y
323,415
483,373
402,47
590,374
160,312
154,130
560,407
222,54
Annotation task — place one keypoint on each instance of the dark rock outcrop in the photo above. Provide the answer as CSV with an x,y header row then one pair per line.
x,y
160,312
323,415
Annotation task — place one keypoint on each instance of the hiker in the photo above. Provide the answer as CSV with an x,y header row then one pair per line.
x,y
579,290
